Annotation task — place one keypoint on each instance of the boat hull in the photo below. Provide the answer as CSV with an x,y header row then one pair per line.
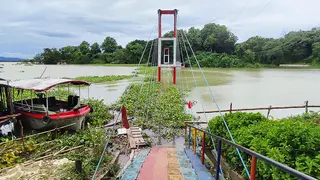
x,y
37,124
35,121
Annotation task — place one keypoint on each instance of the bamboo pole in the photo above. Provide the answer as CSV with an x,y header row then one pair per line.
x,y
62,127
60,152
111,163
9,116
263,108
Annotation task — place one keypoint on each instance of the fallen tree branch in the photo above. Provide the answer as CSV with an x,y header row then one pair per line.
x,y
60,152
44,132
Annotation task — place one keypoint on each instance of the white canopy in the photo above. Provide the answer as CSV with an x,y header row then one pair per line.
x,y
44,84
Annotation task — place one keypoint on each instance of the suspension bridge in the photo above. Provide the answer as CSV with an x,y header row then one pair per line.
x,y
186,160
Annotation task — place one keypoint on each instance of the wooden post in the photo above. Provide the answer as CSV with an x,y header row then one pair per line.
x,y
268,111
218,160
22,136
203,146
230,108
78,164
56,132
253,168
306,106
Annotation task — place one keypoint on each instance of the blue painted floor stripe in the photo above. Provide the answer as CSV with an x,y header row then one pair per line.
x,y
186,169
133,169
202,172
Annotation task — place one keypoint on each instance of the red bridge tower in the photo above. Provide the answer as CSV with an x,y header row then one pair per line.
x,y
164,61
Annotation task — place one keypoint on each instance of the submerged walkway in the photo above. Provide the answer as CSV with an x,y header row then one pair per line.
x,y
166,163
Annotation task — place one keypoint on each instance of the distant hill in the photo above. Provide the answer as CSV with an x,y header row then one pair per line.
x,y
10,59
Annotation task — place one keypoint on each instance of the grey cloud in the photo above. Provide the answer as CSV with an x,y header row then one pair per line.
x,y
56,34
27,26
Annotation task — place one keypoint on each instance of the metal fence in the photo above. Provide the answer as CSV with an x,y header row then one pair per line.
x,y
254,155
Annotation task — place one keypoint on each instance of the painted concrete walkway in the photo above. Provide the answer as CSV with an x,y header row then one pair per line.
x,y
164,163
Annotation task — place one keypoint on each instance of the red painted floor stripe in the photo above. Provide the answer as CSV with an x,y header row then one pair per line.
x,y
155,165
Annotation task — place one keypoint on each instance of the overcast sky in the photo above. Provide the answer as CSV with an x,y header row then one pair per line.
x,y
28,26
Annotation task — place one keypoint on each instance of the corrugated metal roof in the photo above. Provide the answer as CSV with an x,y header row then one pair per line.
x,y
3,82
44,84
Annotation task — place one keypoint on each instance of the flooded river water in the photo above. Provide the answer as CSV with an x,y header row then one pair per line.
x,y
244,88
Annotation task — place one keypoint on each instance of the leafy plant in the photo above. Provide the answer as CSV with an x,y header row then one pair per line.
x,y
292,141
102,79
100,114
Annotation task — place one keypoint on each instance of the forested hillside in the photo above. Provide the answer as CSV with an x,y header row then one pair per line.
x,y
214,45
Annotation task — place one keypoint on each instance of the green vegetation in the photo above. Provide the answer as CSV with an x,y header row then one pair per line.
x,y
293,141
102,79
92,139
100,114
214,45
222,60
156,105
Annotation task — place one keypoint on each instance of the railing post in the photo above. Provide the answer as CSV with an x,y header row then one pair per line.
x,y
269,109
218,159
185,131
189,137
195,141
253,168
230,108
306,106
203,146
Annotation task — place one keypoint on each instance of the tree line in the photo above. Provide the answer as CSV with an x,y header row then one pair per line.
x,y
214,45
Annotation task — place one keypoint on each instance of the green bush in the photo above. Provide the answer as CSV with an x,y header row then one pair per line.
x,y
100,114
292,141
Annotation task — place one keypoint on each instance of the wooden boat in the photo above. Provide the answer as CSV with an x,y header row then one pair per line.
x,y
45,112
7,116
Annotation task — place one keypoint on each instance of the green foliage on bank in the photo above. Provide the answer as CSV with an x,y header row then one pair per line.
x,y
292,141
218,43
221,60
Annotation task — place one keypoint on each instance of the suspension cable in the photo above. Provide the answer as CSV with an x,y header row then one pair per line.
x,y
197,90
142,83
127,92
214,100
151,86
